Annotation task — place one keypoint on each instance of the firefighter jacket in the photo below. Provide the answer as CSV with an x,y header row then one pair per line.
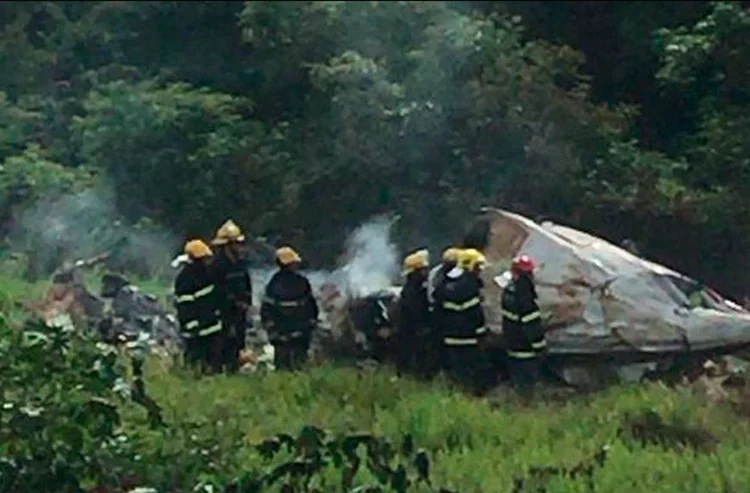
x,y
197,301
233,282
414,309
289,310
522,327
459,314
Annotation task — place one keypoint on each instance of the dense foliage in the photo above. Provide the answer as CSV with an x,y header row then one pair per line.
x,y
625,119
59,418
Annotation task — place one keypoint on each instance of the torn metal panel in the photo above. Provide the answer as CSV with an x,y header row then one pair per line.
x,y
599,298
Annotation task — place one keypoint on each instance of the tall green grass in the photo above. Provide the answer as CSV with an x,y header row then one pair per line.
x,y
476,444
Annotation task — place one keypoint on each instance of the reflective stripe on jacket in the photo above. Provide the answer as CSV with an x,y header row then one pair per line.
x,y
289,310
197,301
459,314
522,328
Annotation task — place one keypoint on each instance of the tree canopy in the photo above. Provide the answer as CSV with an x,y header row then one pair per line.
x,y
302,119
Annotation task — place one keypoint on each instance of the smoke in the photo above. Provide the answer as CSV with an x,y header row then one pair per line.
x,y
370,263
86,224
371,258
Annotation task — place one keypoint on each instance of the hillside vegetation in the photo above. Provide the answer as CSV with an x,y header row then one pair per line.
x,y
626,119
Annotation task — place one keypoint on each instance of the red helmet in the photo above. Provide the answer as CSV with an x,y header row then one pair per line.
x,y
523,264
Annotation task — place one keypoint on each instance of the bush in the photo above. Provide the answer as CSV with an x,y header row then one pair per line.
x,y
184,156
59,419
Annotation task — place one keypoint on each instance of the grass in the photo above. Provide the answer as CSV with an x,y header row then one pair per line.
x,y
476,445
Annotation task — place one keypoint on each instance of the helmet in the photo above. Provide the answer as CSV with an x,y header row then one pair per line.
x,y
471,258
286,256
197,249
417,260
451,254
228,231
523,264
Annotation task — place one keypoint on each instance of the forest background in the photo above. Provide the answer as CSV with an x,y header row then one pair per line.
x,y
155,121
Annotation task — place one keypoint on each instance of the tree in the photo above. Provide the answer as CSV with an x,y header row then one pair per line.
x,y
184,156
709,61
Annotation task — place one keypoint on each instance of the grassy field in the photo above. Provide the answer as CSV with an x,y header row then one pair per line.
x,y
475,445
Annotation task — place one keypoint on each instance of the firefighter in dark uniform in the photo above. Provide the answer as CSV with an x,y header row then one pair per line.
x,y
460,318
235,287
198,310
433,348
289,312
414,315
522,327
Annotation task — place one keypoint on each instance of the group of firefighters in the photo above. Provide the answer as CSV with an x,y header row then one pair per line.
x,y
441,319
213,294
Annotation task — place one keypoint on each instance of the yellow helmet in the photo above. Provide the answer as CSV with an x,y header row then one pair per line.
x,y
451,254
471,258
228,231
417,260
286,255
197,249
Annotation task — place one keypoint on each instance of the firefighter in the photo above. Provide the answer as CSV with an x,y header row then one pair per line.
x,y
414,313
198,310
289,312
522,327
235,288
434,344
460,318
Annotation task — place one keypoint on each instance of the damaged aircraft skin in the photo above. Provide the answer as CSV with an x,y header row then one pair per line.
x,y
603,305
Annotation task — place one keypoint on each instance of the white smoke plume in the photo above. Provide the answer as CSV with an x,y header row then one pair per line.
x,y
371,260
370,263
82,225
86,224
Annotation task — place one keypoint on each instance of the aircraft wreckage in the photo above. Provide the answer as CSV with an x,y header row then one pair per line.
x,y
607,312
610,315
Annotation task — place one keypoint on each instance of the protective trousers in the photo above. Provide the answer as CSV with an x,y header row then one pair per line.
x,y
420,353
407,352
205,353
464,365
234,339
524,373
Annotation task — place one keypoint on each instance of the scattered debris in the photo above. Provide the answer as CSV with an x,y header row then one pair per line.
x,y
69,295
358,328
120,313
